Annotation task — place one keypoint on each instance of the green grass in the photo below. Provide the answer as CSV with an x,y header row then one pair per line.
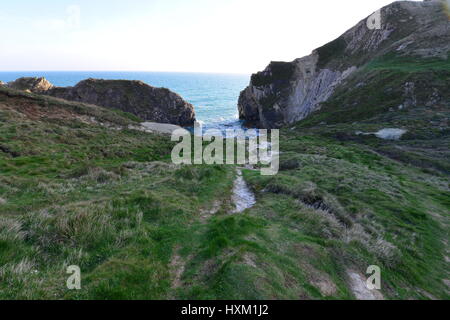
x,y
378,211
280,73
409,64
330,51
139,227
107,200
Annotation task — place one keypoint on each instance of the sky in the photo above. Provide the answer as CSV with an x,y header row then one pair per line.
x,y
227,36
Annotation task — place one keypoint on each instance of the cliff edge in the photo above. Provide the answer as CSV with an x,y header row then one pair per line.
x,y
146,102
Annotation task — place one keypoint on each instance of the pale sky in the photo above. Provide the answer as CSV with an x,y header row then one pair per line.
x,y
232,36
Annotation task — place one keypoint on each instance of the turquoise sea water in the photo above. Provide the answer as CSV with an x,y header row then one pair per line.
x,y
214,96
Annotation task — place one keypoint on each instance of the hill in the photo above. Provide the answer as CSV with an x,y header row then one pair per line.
x,y
85,185
362,74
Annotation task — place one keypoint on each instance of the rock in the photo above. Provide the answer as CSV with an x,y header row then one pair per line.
x,y
385,134
409,95
287,92
2,84
446,282
390,134
159,127
37,85
148,103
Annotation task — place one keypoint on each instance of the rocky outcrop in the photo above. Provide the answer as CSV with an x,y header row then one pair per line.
x,y
286,92
147,102
37,85
2,84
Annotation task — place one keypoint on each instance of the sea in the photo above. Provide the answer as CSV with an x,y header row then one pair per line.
x,y
214,96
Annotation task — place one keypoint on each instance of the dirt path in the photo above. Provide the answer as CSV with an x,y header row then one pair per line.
x,y
177,266
242,199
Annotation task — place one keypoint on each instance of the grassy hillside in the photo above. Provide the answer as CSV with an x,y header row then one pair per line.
x,y
77,192
77,187
342,206
393,92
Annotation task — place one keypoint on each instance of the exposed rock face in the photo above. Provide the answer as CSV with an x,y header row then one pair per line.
x,y
2,84
149,103
390,134
286,92
37,85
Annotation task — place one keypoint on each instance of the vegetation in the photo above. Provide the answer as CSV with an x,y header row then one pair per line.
x,y
80,186
409,64
280,74
360,208
330,51
89,194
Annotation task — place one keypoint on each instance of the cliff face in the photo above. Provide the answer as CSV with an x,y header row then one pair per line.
x,y
286,92
147,102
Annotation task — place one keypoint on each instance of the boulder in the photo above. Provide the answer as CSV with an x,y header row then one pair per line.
x,y
37,85
390,134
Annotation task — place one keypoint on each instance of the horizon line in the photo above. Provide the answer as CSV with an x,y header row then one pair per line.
x,y
155,71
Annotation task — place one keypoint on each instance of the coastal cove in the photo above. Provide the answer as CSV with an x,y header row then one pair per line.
x,y
158,186
214,96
